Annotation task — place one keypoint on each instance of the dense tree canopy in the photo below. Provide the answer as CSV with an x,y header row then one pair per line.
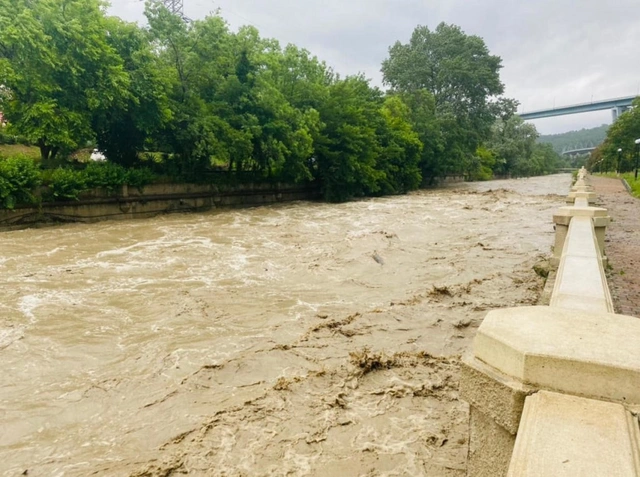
x,y
591,137
455,76
59,69
195,100
622,134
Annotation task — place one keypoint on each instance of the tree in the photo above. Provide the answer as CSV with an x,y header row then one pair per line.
x,y
347,147
422,116
58,67
622,135
401,149
512,143
455,68
122,129
461,75
481,166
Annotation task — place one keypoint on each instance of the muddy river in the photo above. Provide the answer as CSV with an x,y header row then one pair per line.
x,y
297,339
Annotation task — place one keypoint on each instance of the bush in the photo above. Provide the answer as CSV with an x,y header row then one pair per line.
x,y
7,138
140,177
105,174
66,184
19,176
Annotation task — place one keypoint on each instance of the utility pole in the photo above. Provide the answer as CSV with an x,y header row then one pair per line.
x,y
175,6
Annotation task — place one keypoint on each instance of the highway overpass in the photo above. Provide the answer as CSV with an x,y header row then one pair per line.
x,y
616,105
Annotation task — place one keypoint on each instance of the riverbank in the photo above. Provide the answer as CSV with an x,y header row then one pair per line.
x,y
155,199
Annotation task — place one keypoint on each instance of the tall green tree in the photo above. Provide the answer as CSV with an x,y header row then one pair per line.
x,y
401,149
59,68
622,134
461,75
122,129
457,69
347,148
512,143
423,120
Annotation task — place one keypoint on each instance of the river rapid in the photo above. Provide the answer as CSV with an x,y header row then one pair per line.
x,y
296,339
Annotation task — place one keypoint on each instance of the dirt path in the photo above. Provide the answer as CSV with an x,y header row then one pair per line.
x,y
622,244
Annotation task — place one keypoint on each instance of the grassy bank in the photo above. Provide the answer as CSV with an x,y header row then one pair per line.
x,y
10,150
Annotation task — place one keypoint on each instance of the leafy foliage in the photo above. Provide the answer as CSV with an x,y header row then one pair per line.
x,y
58,69
461,77
195,100
622,134
104,174
19,176
66,183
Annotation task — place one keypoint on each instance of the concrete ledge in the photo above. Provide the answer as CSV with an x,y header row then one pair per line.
x,y
581,282
575,211
590,196
157,199
580,202
496,403
586,354
562,219
568,436
490,446
497,395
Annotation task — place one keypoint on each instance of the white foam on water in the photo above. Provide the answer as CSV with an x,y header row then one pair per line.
x,y
55,250
28,304
10,335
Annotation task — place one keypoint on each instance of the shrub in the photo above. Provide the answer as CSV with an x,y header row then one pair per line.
x,y
105,174
66,184
140,177
7,138
19,176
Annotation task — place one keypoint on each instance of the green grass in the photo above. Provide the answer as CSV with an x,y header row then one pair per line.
x,y
634,184
8,150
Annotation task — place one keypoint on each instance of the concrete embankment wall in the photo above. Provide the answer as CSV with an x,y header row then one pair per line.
x,y
555,390
129,203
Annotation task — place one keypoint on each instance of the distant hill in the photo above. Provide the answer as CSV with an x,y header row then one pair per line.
x,y
576,139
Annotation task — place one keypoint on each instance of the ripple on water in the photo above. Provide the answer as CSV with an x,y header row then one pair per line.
x,y
225,337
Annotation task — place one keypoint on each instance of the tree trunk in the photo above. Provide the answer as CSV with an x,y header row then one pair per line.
x,y
44,151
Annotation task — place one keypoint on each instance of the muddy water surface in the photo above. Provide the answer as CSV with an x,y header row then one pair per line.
x,y
300,339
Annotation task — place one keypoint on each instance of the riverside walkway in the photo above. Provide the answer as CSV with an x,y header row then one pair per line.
x,y
623,243
555,390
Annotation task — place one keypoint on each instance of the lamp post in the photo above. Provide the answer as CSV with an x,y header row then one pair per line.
x,y
618,163
637,152
593,168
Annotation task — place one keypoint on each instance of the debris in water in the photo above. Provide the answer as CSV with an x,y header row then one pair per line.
x,y
440,291
462,323
377,258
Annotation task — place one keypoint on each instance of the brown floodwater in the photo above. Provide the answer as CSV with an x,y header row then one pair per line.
x,y
296,339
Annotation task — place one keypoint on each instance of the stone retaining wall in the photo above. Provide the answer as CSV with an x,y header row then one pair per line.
x,y
130,203
554,391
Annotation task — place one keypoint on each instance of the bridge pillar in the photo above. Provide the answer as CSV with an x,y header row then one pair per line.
x,y
617,111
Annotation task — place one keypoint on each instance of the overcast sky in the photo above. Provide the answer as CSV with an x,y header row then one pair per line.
x,y
554,52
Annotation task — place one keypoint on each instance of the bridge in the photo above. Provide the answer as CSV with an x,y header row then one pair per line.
x,y
575,152
616,105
